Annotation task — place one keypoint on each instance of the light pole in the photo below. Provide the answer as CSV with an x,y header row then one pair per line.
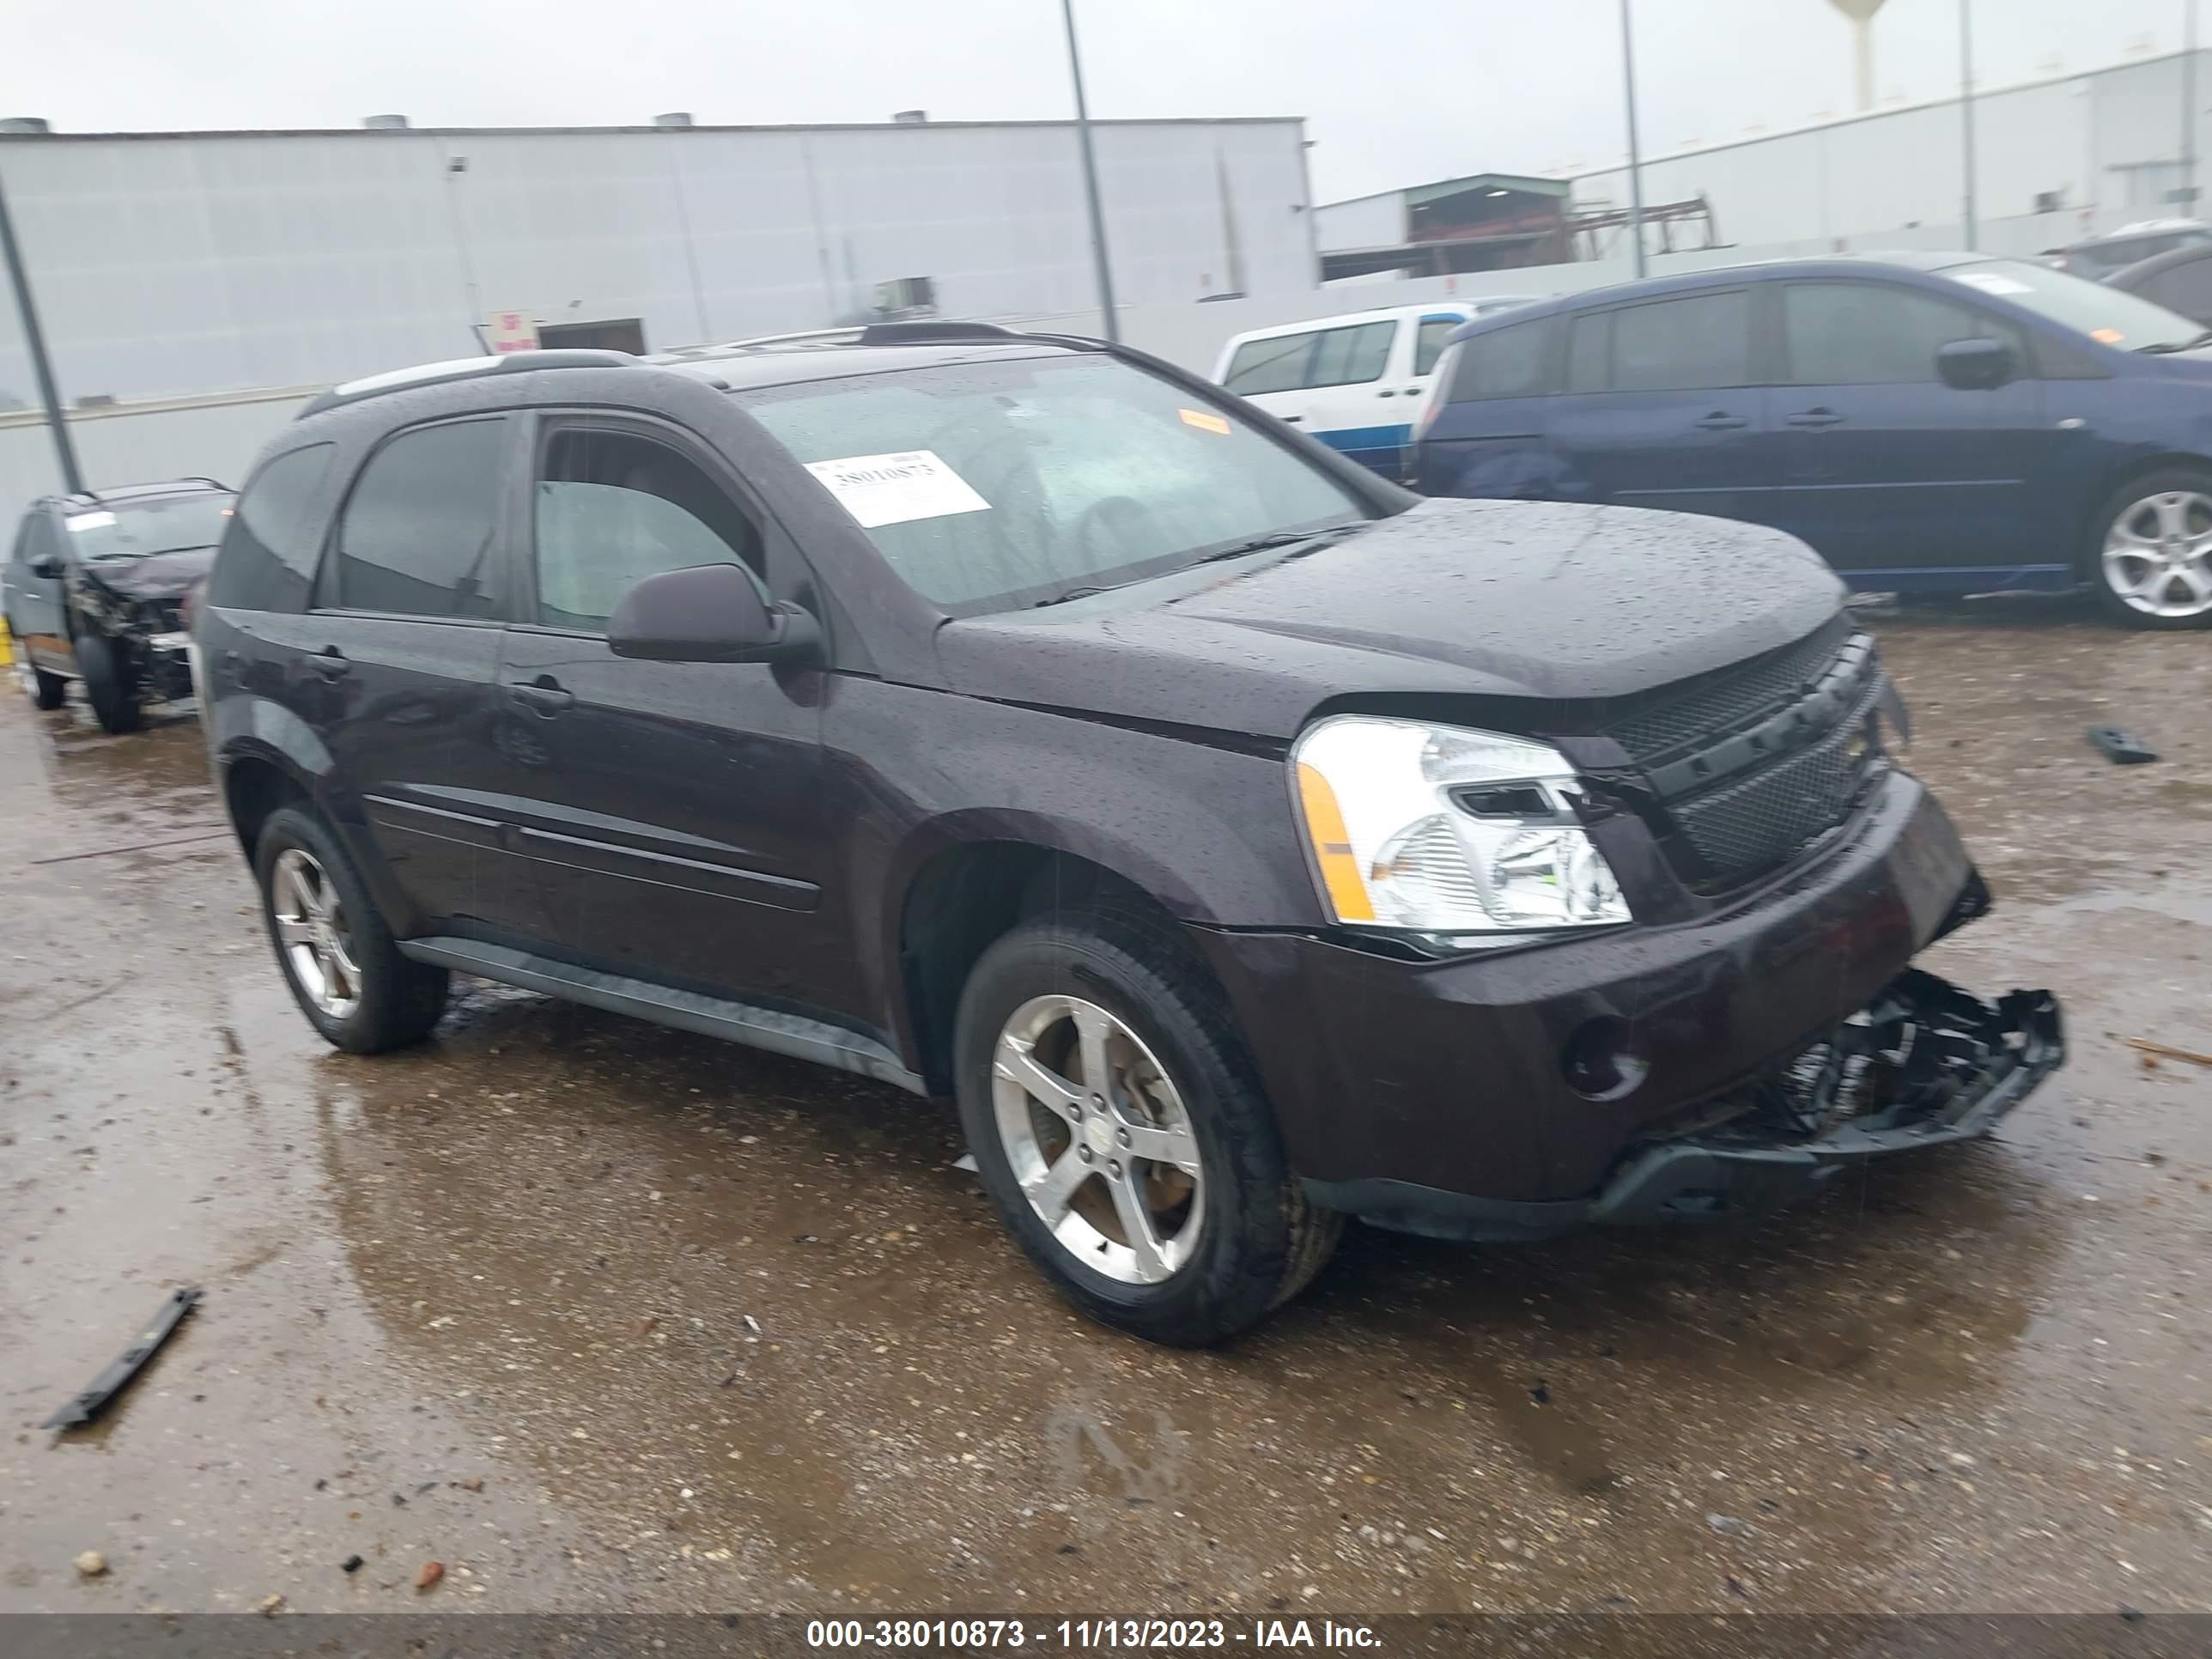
x,y
1635,162
1090,179
1966,110
34,342
2188,104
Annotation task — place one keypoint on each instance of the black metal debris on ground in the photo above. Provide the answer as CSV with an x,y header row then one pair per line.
x,y
100,1392
2121,748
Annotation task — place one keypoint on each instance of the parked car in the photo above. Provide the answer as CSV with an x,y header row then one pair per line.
x,y
2099,258
2180,280
1242,841
94,589
1928,422
1358,382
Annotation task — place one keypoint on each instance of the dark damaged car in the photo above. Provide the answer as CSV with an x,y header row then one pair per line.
x,y
1244,842
96,589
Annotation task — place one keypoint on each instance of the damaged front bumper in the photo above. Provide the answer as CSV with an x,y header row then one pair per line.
x,y
1924,1063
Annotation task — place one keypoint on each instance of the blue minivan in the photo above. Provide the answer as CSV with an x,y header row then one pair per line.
x,y
1927,422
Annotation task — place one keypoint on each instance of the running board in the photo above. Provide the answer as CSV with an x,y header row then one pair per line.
x,y
687,1010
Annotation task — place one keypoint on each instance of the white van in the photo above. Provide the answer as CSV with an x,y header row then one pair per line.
x,y
1358,382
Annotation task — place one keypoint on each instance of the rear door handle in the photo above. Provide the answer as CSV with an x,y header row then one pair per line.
x,y
544,695
1814,417
1721,421
331,662
1292,420
1386,393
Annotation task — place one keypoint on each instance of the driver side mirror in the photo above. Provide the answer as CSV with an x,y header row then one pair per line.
x,y
1977,365
47,566
707,613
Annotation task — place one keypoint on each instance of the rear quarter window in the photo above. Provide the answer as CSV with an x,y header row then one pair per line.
x,y
1505,362
1277,364
267,561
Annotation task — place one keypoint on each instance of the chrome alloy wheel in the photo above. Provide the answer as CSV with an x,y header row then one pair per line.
x,y
2158,555
313,933
1098,1139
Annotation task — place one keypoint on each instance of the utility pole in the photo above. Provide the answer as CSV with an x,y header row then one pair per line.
x,y
34,342
1635,160
1090,179
1966,111
2189,105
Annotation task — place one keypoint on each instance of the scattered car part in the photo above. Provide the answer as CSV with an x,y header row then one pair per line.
x,y
101,1393
2121,748
2145,1046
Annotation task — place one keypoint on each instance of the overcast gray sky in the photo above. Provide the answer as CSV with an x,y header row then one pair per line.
x,y
1394,95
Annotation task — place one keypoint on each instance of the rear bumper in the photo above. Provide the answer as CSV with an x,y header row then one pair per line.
x,y
1991,1058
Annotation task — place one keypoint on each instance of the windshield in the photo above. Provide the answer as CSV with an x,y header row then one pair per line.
x,y
988,486
2104,314
166,525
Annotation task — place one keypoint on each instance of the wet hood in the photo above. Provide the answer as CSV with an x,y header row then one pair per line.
x,y
156,576
1451,597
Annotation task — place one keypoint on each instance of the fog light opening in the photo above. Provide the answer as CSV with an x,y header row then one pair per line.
x,y
1600,1061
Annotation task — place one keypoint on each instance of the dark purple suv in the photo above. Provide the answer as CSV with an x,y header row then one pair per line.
x,y
1242,842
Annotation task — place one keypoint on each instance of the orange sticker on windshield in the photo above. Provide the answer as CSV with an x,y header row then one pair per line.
x,y
2107,336
1204,422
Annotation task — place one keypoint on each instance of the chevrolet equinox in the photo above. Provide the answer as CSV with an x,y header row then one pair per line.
x,y
1242,841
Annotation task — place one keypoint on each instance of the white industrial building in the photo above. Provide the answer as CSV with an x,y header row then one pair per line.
x,y
2055,159
182,264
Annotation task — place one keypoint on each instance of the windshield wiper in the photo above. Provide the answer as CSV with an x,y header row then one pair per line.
x,y
1281,538
1308,539
2165,347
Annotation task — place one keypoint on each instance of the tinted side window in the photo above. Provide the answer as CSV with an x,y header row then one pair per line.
x,y
1867,334
1510,362
1429,343
1273,365
1352,356
2186,287
267,556
613,509
419,534
1676,345
1590,352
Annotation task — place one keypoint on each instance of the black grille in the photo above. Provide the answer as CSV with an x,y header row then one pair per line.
x,y
1745,829
1702,710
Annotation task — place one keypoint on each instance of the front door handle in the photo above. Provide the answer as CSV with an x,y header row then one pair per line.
x,y
1814,417
1721,421
331,662
544,695
1292,420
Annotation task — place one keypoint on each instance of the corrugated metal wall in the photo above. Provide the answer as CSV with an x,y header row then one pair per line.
x,y
175,265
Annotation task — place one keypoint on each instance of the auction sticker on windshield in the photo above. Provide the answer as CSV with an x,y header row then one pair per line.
x,y
880,489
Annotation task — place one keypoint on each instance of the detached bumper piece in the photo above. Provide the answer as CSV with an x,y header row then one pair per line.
x,y
100,1393
1923,1064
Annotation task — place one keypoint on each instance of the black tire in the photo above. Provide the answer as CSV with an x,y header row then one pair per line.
x,y
1262,1241
110,683
47,692
399,1001
2133,498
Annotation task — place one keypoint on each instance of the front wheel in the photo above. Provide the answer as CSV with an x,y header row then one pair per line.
x,y
1118,1128
110,683
337,956
2153,551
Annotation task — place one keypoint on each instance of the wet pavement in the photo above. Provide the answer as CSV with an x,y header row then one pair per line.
x,y
601,1316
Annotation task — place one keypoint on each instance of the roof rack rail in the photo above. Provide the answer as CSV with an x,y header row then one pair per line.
x,y
466,368
928,333
202,477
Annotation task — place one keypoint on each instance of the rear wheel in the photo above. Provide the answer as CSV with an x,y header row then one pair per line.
x,y
337,956
44,690
1120,1130
2153,552
110,683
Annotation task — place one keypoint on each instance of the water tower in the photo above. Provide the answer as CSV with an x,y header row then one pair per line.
x,y
1861,12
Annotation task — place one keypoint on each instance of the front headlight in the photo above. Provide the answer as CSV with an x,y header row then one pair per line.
x,y
1442,830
